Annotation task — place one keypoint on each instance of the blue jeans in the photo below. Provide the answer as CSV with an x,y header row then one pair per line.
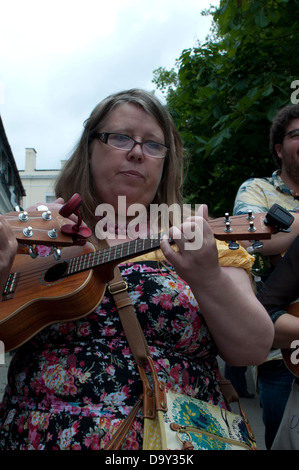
x,y
274,384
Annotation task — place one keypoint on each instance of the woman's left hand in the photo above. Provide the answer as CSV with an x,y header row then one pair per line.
x,y
196,259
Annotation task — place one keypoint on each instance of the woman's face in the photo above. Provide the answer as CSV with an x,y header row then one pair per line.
x,y
127,173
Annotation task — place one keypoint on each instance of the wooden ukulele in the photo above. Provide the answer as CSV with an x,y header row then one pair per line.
x,y
43,291
291,355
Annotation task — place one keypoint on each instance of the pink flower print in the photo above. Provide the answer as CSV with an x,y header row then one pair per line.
x,y
185,377
183,300
92,441
43,250
108,331
143,307
71,361
66,437
84,329
55,378
164,300
131,442
110,370
174,372
161,321
126,351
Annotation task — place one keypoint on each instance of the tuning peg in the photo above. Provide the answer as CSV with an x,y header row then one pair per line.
x,y
227,217
250,216
23,217
233,245
28,232
228,228
32,252
56,253
47,215
257,245
251,227
53,233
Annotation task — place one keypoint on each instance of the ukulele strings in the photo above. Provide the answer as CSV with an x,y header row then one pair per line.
x,y
89,260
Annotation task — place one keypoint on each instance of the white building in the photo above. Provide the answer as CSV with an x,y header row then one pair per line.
x,y
38,184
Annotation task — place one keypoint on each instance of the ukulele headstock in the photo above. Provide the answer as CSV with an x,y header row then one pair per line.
x,y
44,228
252,227
241,227
50,228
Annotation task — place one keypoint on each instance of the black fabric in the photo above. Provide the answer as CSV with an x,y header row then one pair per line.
x,y
282,286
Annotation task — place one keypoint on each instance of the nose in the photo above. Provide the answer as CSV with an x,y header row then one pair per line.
x,y
136,152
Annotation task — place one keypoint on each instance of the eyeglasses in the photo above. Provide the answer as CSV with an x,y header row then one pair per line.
x,y
294,134
123,142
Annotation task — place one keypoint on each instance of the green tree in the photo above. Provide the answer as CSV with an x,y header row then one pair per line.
x,y
223,95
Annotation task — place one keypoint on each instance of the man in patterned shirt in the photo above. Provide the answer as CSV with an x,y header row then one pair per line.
x,y
259,194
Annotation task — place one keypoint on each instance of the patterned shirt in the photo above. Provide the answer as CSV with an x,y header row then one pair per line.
x,y
259,194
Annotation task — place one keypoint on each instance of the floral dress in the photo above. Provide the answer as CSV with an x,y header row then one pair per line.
x,y
71,386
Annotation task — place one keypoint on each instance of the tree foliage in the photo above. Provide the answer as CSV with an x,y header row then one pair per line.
x,y
223,95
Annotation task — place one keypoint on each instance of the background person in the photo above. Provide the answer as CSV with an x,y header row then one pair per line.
x,y
274,380
277,293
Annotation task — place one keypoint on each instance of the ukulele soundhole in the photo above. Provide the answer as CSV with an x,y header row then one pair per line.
x,y
56,272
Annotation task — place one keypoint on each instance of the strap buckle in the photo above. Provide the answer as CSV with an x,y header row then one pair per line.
x,y
120,286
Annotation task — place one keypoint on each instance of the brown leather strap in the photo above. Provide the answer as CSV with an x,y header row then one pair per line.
x,y
119,436
138,346
137,342
153,398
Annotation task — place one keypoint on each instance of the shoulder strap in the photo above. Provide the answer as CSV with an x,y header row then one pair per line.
x,y
137,342
154,396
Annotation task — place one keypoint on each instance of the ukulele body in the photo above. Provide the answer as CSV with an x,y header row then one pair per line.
x,y
37,302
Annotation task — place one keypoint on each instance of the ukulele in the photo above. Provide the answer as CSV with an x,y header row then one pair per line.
x,y
43,291
291,355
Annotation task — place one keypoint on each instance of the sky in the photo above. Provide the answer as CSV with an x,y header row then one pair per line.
x,y
59,59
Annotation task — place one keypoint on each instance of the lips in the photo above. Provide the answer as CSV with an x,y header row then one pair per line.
x,y
132,174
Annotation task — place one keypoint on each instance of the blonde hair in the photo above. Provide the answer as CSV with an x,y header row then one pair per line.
x,y
76,176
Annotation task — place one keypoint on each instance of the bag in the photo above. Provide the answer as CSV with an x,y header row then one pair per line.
x,y
174,421
192,424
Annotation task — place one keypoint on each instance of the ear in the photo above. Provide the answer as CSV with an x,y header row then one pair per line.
x,y
278,148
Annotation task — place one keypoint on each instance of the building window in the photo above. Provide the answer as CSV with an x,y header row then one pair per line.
x,y
50,198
